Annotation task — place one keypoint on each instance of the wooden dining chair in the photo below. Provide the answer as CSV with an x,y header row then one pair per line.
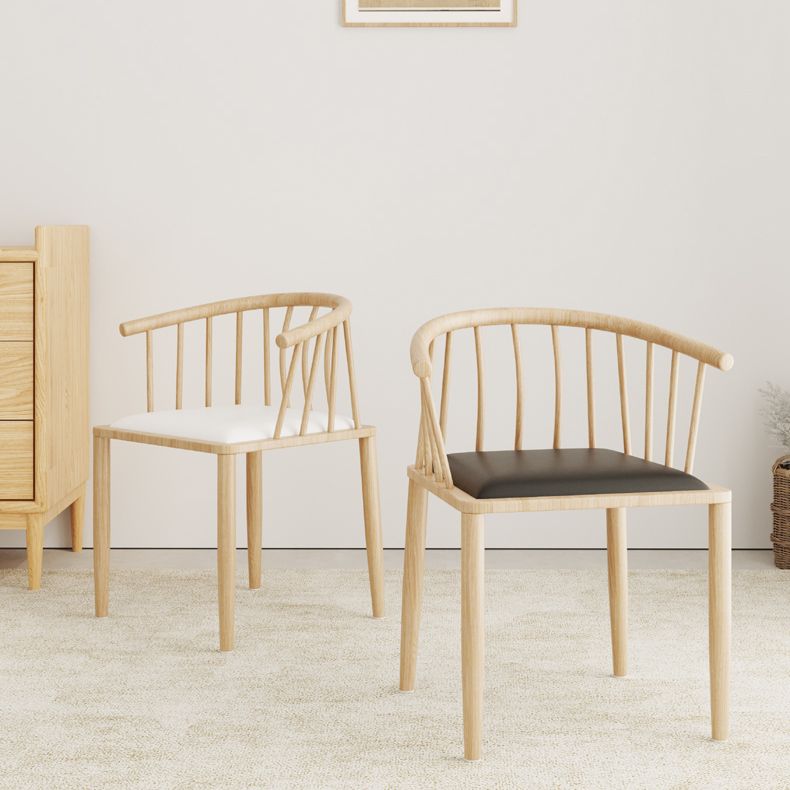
x,y
533,481
248,429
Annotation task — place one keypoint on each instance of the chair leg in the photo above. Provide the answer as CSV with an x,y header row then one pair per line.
x,y
372,511
413,569
101,524
719,609
226,547
34,539
77,521
254,516
617,556
472,631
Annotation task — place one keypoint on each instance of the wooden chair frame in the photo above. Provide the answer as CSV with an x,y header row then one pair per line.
x,y
431,474
320,330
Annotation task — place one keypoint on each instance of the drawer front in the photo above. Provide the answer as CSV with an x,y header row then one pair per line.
x,y
16,381
16,301
16,460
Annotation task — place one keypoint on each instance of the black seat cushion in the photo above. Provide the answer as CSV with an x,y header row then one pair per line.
x,y
500,474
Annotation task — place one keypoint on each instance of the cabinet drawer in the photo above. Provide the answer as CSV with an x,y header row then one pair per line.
x,y
16,301
16,381
16,460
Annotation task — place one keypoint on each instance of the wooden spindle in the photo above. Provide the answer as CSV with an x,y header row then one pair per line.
x,y
286,326
448,344
434,467
310,382
209,344
436,435
179,365
289,380
555,344
695,412
590,389
519,389
351,377
649,403
332,387
149,368
239,331
671,410
306,355
267,379
330,336
479,435
623,396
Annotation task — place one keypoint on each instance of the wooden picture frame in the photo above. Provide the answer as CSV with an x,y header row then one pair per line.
x,y
430,13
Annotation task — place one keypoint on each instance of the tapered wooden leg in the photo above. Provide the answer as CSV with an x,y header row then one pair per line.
x,y
34,540
472,631
719,609
77,521
413,569
254,516
372,511
226,546
101,524
617,556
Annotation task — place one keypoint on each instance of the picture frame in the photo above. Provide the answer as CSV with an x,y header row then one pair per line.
x,y
430,13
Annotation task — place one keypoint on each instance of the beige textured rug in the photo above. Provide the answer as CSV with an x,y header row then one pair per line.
x,y
309,698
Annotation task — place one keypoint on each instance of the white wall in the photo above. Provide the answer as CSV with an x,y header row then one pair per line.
x,y
629,157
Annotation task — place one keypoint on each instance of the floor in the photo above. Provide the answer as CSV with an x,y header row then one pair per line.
x,y
345,559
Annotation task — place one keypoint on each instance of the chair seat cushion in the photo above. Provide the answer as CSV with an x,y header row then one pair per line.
x,y
502,474
228,424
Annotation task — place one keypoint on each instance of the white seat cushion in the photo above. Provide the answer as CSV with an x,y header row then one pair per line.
x,y
228,424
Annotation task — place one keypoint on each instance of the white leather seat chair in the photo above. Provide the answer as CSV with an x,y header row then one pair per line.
x,y
249,428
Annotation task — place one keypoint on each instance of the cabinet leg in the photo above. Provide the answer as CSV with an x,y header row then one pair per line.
x,y
35,551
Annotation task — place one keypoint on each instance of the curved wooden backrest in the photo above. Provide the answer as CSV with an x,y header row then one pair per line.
x,y
431,455
321,330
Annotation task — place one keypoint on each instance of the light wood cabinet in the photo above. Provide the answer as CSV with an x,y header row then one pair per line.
x,y
44,385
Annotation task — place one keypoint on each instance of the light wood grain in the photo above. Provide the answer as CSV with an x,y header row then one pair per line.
x,y
719,616
77,514
444,403
179,366
16,460
16,298
480,431
149,370
371,508
472,632
254,468
555,344
519,429
352,380
101,524
649,402
671,410
16,380
413,572
617,561
226,547
15,254
554,317
34,542
621,375
209,354
696,408
239,356
267,376
588,350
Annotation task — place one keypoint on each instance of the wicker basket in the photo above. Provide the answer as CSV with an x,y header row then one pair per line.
x,y
781,510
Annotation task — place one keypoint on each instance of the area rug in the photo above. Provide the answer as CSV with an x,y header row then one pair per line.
x,y
309,699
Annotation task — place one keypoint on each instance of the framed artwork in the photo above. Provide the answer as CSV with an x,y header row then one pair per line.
x,y
429,13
